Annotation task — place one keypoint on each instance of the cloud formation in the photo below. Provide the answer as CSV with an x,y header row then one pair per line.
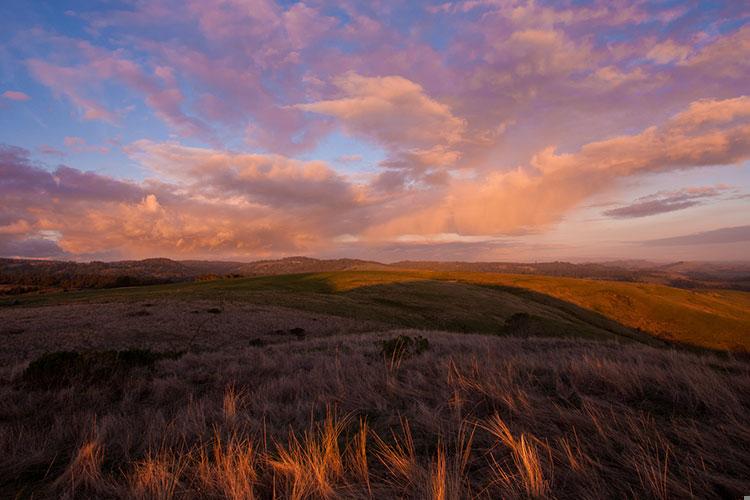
x,y
478,119
668,201
720,236
15,95
418,131
206,200
713,132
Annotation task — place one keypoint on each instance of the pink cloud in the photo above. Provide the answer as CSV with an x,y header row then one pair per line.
x,y
80,83
94,214
218,202
418,131
15,95
536,197
465,118
392,110
79,145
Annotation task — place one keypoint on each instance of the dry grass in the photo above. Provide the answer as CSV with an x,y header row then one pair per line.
x,y
472,417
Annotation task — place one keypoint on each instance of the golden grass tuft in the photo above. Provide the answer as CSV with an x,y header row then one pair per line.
x,y
529,475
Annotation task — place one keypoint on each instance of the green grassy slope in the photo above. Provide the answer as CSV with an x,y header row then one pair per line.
x,y
479,302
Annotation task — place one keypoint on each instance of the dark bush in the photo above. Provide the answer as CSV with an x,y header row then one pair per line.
x,y
528,325
298,332
135,314
62,368
404,346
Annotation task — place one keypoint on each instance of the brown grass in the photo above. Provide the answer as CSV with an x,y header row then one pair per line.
x,y
472,417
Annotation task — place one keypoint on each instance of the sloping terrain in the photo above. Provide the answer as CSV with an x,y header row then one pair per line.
x,y
472,302
78,275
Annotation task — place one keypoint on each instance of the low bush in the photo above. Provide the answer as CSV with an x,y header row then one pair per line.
x,y
59,369
404,346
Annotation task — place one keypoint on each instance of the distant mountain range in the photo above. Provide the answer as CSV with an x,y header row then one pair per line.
x,y
16,273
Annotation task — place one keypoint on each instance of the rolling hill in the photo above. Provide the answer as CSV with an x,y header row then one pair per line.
x,y
475,302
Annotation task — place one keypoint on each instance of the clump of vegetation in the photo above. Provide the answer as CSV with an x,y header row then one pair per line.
x,y
298,332
60,369
139,313
403,346
528,325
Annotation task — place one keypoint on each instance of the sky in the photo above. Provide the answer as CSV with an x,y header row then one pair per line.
x,y
452,130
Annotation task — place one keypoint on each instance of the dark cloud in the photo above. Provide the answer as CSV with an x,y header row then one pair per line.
x,y
724,235
664,202
29,247
19,176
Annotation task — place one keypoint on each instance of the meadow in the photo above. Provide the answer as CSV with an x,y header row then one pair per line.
x,y
471,302
368,384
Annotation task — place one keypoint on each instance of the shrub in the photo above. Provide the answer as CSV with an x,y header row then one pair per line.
x,y
298,332
527,325
404,346
61,368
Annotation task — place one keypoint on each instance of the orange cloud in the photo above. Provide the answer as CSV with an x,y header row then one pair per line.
x,y
217,202
530,198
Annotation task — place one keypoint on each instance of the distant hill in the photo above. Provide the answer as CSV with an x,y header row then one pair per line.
x,y
294,265
76,275
67,274
568,269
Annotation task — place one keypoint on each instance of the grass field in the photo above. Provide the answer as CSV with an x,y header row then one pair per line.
x,y
364,384
470,416
476,302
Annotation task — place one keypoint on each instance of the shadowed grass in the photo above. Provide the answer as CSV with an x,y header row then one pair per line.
x,y
471,417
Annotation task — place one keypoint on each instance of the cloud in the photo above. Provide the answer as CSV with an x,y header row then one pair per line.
x,y
204,200
721,236
15,95
536,196
82,82
48,150
215,202
495,117
30,248
681,142
397,114
668,51
271,180
349,159
79,145
667,201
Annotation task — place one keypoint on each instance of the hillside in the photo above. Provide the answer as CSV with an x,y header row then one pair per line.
x,y
474,302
